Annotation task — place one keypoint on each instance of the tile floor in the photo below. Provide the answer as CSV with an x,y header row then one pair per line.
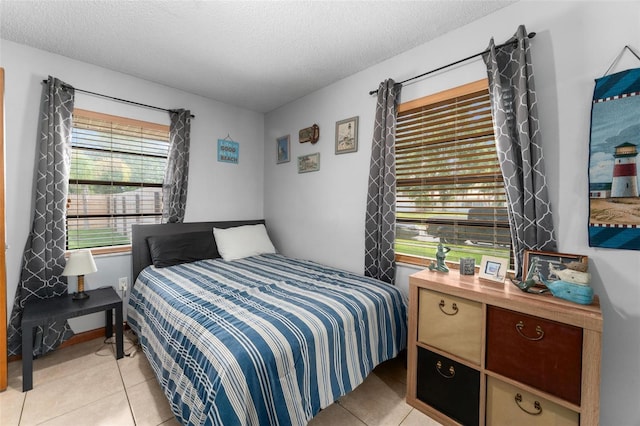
x,y
84,385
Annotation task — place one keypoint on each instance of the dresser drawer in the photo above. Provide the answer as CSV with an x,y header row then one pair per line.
x,y
450,387
541,353
509,405
450,323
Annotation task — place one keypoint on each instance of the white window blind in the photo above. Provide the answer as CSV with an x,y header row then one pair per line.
x,y
117,169
449,184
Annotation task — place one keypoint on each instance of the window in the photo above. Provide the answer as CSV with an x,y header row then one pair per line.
x,y
117,169
449,184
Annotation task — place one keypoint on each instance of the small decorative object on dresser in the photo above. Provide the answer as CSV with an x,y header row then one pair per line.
x,y
309,134
494,268
283,146
441,254
547,263
347,135
564,274
467,266
576,293
309,163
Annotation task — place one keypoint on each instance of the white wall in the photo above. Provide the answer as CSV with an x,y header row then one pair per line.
x,y
320,215
217,191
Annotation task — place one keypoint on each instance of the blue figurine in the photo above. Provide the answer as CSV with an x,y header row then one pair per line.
x,y
440,256
577,293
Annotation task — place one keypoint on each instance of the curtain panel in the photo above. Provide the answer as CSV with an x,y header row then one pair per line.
x,y
43,259
516,126
174,187
380,220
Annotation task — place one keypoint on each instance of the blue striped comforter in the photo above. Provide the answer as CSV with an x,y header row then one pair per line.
x,y
265,340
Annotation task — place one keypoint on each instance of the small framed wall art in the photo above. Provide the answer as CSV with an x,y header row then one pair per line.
x,y
283,145
494,268
228,151
309,163
347,135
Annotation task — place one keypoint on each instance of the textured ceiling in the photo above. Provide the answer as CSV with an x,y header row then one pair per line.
x,y
253,54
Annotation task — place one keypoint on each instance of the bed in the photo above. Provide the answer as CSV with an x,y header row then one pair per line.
x,y
261,339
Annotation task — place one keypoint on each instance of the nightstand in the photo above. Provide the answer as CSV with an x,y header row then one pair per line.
x,y
41,312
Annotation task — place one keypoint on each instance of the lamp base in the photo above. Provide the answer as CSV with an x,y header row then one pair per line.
x,y
81,295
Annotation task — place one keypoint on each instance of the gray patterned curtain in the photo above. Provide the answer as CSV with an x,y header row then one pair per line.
x,y
176,175
43,259
515,119
380,221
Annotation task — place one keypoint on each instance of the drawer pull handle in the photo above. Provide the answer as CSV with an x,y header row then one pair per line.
x,y
453,306
452,371
536,405
539,331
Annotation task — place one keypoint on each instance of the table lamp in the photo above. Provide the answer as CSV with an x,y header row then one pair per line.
x,y
80,263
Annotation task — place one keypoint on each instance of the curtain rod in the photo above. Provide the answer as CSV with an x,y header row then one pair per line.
x,y
530,35
121,100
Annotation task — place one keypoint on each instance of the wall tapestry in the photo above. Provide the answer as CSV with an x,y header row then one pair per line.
x,y
614,202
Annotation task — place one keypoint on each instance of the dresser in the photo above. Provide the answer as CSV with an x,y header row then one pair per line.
x,y
486,353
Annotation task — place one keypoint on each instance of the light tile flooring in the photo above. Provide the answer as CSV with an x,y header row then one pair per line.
x,y
84,385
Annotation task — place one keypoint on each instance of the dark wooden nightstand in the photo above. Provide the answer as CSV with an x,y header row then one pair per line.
x,y
43,311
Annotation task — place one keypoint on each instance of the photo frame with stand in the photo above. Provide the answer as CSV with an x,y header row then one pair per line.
x,y
494,268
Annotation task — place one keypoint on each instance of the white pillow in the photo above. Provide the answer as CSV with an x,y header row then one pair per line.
x,y
243,241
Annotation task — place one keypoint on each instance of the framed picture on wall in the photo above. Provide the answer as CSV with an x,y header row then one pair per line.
x,y
283,145
309,163
347,135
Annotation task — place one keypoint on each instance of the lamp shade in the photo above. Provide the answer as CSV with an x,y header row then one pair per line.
x,y
80,263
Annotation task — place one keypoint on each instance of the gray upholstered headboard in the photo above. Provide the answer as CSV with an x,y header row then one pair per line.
x,y
140,257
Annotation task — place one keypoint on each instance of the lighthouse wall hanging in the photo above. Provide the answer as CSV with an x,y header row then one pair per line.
x,y
614,200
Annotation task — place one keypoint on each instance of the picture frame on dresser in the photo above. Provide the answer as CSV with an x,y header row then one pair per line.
x,y
546,261
494,268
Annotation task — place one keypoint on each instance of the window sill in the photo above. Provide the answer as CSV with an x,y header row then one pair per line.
x,y
97,251
421,262
412,260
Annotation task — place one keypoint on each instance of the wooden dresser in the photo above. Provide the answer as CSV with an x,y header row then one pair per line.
x,y
485,353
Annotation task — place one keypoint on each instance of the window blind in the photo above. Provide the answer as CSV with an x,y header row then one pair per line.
x,y
449,183
117,170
